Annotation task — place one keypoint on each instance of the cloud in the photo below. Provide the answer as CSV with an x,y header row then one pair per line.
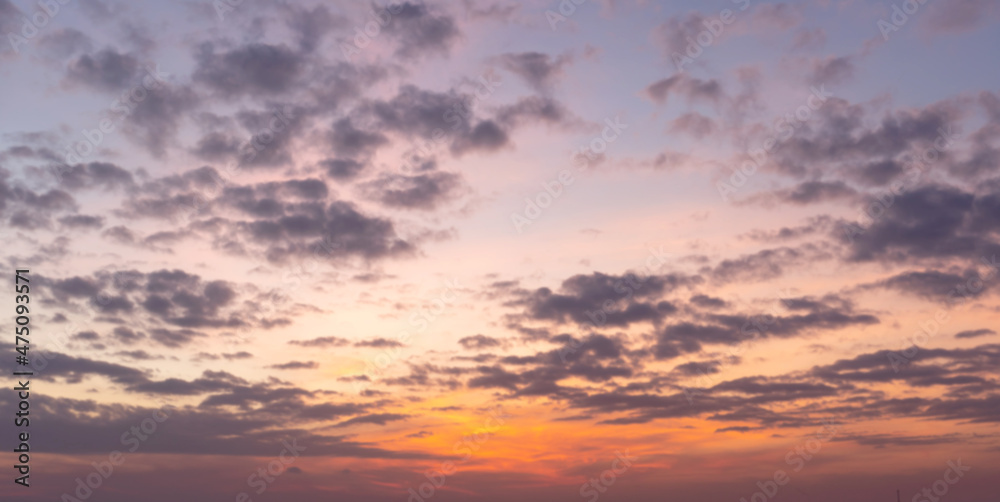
x,y
814,192
884,440
414,112
253,69
689,88
75,369
832,70
86,335
709,302
216,146
127,335
975,333
601,300
927,367
138,355
486,135
174,338
675,34
960,16
81,221
155,121
105,70
828,313
538,70
9,15
934,221
695,124
65,42
348,141
421,30
280,221
323,341
698,368
173,304
532,110
310,26
934,285
765,264
33,209
680,31
378,343
375,418
425,191
477,342
296,365
95,175
86,427
838,138
342,169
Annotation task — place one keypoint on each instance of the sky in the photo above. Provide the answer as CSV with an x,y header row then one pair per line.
x,y
483,250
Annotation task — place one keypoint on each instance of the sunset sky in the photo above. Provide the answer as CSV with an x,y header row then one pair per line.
x,y
539,251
